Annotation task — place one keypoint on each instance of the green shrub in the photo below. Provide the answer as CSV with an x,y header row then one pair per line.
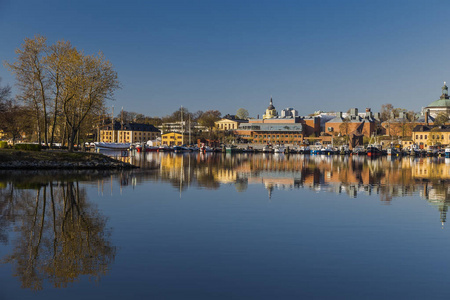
x,y
29,147
3,144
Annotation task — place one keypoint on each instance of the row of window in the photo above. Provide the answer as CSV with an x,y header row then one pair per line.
x,y
425,136
277,136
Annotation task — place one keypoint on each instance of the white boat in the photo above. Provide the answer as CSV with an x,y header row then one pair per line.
x,y
447,152
112,146
279,149
267,149
205,148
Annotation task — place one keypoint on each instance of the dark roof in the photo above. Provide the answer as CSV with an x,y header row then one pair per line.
x,y
428,128
132,126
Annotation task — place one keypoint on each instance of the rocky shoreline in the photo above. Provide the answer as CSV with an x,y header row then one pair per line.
x,y
22,160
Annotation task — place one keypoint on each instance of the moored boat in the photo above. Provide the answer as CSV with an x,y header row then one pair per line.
x,y
279,149
374,150
267,149
359,150
447,152
392,151
112,146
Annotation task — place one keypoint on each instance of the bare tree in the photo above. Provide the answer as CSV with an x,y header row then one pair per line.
x,y
88,82
32,80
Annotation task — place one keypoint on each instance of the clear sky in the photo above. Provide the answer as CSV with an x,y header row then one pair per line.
x,y
312,55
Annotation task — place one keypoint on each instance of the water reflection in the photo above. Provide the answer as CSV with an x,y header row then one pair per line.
x,y
386,177
59,234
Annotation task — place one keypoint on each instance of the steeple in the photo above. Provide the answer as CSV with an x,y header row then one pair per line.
x,y
271,104
271,112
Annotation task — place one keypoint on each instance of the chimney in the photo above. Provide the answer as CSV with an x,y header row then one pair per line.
x,y
426,116
367,110
257,116
339,114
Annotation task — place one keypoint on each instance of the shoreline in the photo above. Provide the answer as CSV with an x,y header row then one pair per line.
x,y
50,160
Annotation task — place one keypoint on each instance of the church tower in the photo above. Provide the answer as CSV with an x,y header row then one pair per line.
x,y
271,112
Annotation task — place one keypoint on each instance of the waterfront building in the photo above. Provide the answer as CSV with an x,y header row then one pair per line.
x,y
229,122
181,126
398,126
288,128
128,133
431,135
353,123
271,133
174,139
442,105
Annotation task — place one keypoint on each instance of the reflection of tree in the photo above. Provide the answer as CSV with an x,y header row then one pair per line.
x,y
241,185
61,237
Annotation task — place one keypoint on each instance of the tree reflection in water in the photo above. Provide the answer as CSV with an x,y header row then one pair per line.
x,y
60,235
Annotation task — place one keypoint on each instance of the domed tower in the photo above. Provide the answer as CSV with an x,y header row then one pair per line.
x,y
442,105
271,112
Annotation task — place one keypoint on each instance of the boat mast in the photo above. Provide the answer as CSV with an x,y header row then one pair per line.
x,y
182,126
112,125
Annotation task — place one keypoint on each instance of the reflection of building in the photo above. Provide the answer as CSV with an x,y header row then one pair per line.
x,y
438,195
128,133
428,169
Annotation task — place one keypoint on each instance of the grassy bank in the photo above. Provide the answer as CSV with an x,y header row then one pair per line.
x,y
59,159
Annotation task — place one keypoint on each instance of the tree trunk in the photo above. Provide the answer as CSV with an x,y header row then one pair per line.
x,y
72,137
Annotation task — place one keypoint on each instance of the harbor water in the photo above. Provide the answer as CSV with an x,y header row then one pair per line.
x,y
229,226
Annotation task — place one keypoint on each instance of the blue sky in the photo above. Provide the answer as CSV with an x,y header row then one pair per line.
x,y
310,55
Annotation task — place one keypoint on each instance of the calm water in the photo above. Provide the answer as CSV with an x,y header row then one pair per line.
x,y
197,226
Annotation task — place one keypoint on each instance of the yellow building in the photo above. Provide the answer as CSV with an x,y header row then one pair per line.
x,y
271,112
174,139
129,133
229,123
431,135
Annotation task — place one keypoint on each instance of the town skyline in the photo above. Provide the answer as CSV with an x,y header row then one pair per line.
x,y
206,55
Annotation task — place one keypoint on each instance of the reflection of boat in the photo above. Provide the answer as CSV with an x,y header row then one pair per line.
x,y
112,146
146,148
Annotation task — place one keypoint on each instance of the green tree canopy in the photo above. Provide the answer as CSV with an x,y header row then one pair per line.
x,y
242,114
